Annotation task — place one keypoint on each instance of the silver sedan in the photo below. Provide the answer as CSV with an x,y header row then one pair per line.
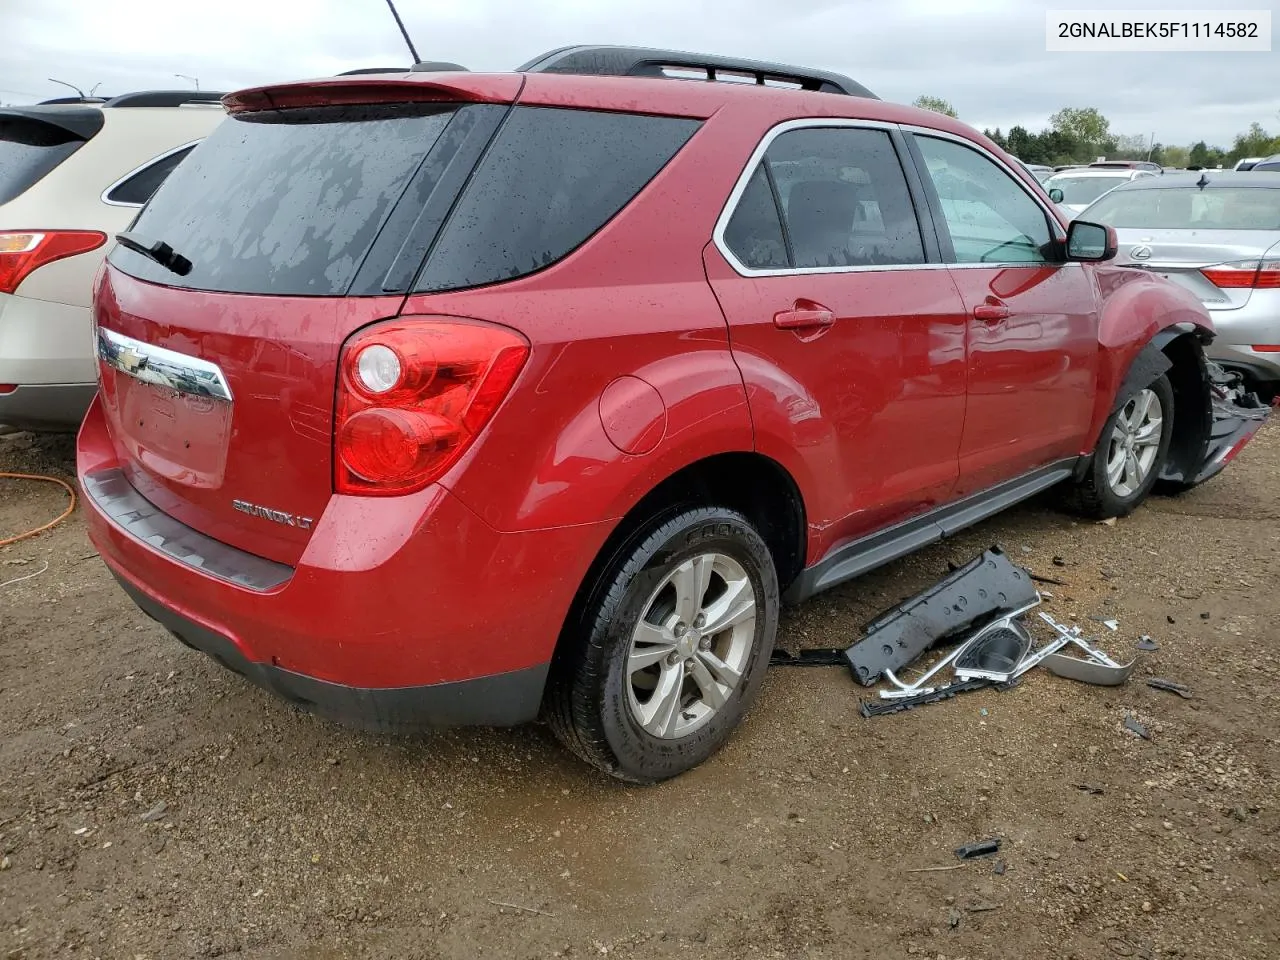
x,y
1217,233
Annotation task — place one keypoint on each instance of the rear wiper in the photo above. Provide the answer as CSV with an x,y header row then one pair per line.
x,y
159,251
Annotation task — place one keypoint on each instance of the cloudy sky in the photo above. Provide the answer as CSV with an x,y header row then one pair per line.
x,y
986,56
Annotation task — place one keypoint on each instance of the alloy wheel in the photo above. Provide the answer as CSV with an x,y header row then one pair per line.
x,y
1135,443
691,646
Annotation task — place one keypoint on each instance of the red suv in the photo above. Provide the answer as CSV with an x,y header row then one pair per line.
x,y
439,397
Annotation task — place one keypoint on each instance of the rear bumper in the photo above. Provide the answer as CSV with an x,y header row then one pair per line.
x,y
44,342
1257,322
45,348
53,407
401,612
502,700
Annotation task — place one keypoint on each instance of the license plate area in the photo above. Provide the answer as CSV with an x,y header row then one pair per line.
x,y
180,437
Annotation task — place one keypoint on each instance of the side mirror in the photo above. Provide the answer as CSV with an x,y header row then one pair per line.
x,y
1090,242
1056,195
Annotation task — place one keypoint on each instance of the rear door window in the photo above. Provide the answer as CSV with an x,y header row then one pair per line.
x,y
285,202
754,232
837,197
30,149
138,188
844,198
550,180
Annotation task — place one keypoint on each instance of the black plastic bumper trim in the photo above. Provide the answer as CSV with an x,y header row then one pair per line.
x,y
115,496
498,700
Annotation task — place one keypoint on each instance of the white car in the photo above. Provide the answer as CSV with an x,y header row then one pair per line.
x,y
1073,190
72,175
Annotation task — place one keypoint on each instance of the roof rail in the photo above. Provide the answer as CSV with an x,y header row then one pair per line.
x,y
56,100
426,66
650,62
165,98
363,70
438,66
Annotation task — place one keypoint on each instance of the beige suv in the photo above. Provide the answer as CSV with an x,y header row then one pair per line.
x,y
72,175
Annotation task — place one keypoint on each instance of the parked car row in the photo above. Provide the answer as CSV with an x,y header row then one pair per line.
x,y
443,397
1268,164
1218,235
1075,189
73,174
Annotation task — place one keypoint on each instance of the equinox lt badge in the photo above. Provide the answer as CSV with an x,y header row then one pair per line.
x,y
278,516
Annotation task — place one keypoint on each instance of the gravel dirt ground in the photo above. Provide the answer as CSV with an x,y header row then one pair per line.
x,y
153,805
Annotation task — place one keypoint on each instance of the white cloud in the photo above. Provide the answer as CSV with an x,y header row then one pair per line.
x,y
985,56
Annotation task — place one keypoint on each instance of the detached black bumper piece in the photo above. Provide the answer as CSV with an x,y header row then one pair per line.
x,y
1235,421
501,700
970,596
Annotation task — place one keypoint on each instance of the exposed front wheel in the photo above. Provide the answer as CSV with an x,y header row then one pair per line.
x,y
1130,453
670,647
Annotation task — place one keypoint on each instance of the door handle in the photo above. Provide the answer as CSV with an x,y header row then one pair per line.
x,y
805,315
991,312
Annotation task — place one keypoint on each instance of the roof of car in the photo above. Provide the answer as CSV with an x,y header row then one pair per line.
x,y
1213,179
1109,172
672,97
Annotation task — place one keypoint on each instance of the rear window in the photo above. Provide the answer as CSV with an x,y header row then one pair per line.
x,y
30,149
138,188
352,200
1229,208
551,179
285,202
1080,190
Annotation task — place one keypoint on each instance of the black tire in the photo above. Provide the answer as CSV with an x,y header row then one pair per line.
x,y
588,702
1094,495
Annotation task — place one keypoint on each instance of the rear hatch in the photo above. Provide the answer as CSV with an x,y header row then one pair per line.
x,y
300,226
303,218
1211,239
35,140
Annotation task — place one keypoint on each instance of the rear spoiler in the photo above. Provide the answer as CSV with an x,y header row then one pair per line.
x,y
378,88
80,122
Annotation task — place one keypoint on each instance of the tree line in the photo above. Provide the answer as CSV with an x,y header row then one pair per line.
x,y
1082,134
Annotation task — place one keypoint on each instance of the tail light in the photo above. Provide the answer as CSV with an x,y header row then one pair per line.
x,y
1245,275
21,252
413,393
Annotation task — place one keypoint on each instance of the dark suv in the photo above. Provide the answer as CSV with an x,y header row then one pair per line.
x,y
442,397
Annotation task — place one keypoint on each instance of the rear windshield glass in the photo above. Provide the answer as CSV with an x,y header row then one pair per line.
x,y
551,179
284,203
1083,189
29,150
1229,208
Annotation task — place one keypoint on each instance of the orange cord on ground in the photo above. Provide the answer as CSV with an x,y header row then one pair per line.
x,y
53,523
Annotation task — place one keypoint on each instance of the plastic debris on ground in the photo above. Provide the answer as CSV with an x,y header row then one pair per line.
x,y
980,607
1156,683
983,848
1133,726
